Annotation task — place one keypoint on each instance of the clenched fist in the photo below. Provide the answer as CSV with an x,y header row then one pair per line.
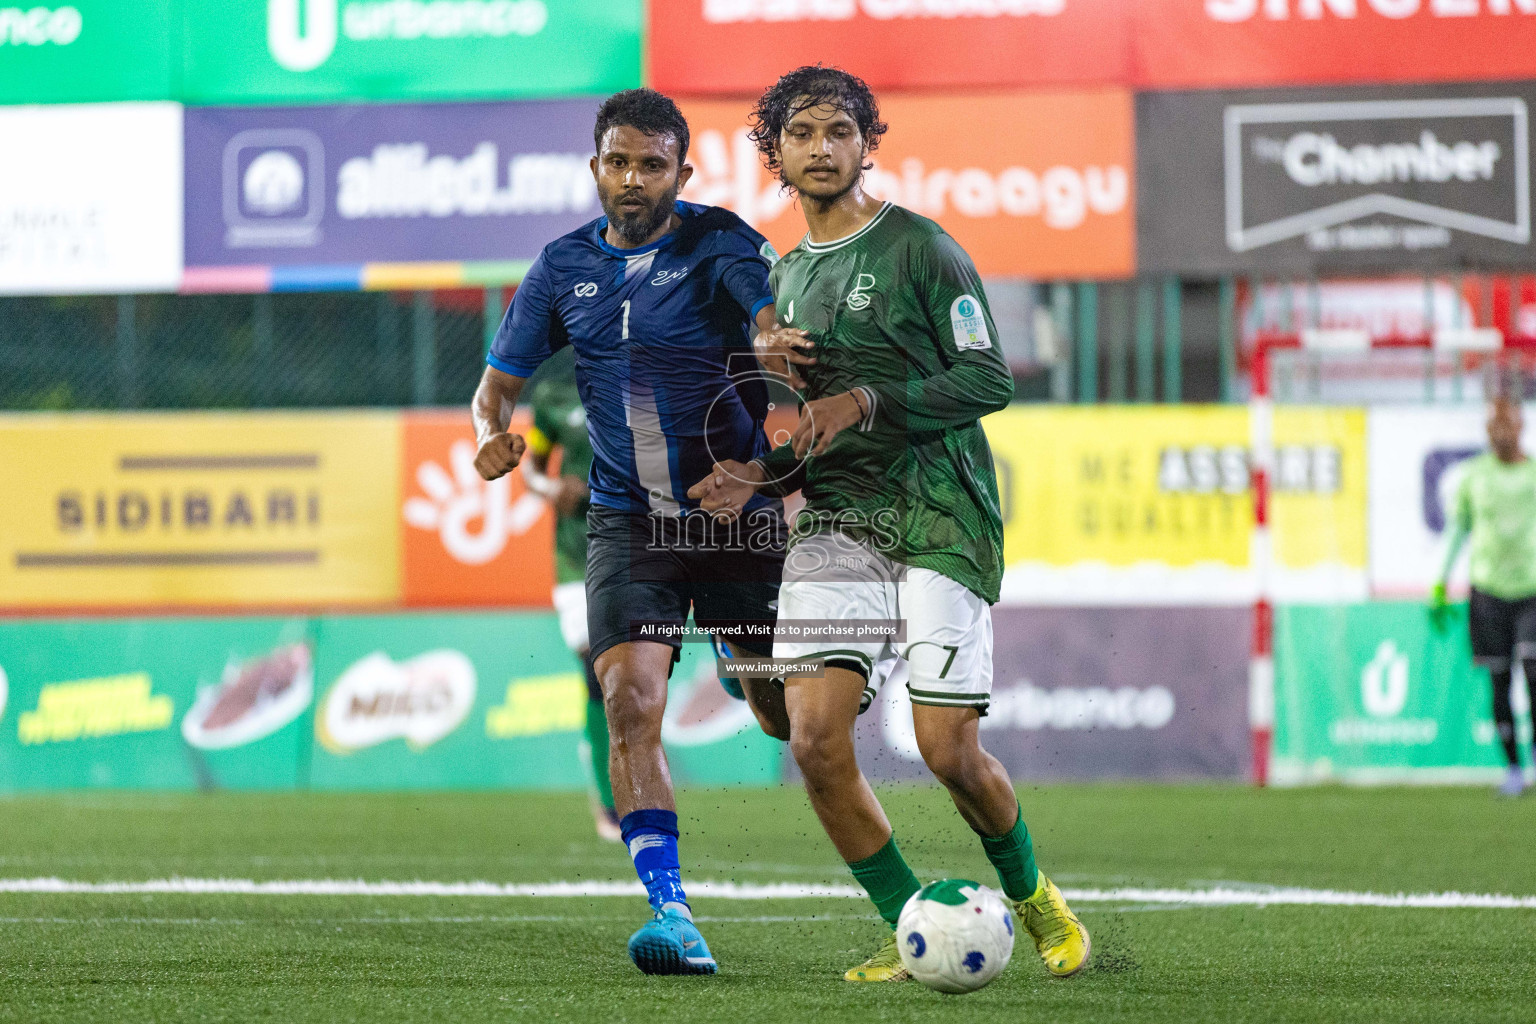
x,y
499,454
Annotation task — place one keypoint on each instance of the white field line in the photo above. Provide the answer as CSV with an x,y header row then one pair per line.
x,y
1216,896
477,919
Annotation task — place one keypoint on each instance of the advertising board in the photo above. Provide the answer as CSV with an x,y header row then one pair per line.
x,y
348,50
96,204
199,510
1335,180
386,182
1032,184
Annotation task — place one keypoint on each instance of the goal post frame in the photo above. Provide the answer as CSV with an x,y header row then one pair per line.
x,y
1461,342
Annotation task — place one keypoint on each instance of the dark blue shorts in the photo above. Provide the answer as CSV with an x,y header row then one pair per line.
x,y
645,570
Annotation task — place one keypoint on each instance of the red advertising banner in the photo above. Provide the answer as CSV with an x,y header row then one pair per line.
x,y
739,47
1032,184
466,542
1195,43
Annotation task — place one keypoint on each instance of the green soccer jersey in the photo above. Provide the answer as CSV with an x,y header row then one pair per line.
x,y
1496,503
559,421
897,309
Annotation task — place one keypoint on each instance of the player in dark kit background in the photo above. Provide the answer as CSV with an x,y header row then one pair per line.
x,y
657,299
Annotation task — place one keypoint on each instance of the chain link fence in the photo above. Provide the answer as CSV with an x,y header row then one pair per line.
x,y
286,350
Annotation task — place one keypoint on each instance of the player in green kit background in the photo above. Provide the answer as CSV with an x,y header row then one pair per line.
x,y
559,421
1495,507
883,316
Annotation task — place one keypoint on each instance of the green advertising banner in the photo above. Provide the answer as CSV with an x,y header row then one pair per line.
x,y
475,701
154,703
86,51
1379,692
450,701
304,51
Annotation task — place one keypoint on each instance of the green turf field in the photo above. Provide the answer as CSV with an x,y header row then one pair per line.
x,y
188,957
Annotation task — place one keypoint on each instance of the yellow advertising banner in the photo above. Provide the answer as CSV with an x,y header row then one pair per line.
x,y
199,510
1109,503
1319,509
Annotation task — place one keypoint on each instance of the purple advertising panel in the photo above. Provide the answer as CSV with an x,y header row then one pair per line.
x,y
1096,693
385,183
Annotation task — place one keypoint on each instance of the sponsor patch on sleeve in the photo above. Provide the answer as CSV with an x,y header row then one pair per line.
x,y
969,324
769,253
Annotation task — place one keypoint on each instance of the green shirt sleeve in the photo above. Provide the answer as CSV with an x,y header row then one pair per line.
x,y
785,471
1463,511
974,380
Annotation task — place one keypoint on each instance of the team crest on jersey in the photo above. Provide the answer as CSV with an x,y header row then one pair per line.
x,y
968,324
668,276
859,297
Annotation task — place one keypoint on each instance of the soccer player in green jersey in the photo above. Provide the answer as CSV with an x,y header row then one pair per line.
x,y
884,317
1496,507
559,421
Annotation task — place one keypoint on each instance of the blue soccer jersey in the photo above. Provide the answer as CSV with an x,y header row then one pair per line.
x,y
658,331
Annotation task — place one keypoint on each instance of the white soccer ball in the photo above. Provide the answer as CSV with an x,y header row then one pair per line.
x,y
955,935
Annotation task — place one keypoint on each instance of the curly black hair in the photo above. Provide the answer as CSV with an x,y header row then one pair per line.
x,y
806,87
646,110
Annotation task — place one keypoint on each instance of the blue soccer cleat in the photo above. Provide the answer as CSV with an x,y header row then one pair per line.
x,y
730,685
670,944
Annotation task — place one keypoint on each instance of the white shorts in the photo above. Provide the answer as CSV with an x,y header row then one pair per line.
x,y
948,640
571,606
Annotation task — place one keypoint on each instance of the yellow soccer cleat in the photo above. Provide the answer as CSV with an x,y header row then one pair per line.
x,y
1059,936
883,966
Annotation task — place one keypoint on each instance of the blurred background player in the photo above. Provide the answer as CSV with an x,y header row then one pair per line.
x,y
656,298
901,521
559,422
1495,507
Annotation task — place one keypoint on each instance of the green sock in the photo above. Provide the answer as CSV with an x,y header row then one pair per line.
x,y
597,737
1013,855
887,879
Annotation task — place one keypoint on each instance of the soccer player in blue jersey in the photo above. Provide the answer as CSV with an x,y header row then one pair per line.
x,y
656,298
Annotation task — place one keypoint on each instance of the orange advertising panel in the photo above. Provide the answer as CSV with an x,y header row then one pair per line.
x,y
1037,184
739,47
467,542
1297,42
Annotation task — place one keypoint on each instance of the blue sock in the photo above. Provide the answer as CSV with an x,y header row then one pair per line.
x,y
651,836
